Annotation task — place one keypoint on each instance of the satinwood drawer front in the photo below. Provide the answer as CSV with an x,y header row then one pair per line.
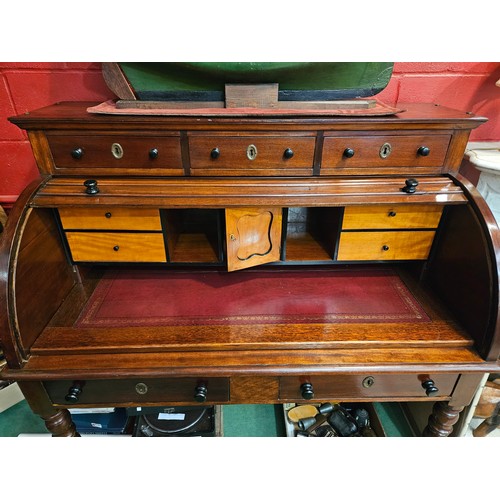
x,y
116,247
251,155
365,152
109,153
391,217
111,218
139,391
338,387
385,245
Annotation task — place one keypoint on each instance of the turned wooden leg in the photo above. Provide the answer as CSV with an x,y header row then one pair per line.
x,y
442,420
57,421
61,425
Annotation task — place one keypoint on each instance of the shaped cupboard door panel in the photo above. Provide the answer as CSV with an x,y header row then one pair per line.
x,y
253,236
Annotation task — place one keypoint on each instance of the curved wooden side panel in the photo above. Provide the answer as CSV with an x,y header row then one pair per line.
x,y
35,276
465,269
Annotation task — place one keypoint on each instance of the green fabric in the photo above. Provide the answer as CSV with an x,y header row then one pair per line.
x,y
211,76
19,419
253,421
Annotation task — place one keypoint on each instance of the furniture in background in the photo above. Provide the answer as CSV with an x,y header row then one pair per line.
x,y
218,258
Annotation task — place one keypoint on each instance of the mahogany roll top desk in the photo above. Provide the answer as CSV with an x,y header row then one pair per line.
x,y
200,260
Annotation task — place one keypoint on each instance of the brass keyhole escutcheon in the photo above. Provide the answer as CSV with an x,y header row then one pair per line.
x,y
116,150
252,152
385,150
368,382
141,388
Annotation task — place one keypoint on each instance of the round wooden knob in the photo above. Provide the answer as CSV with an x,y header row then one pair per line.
x,y
215,153
430,388
288,153
108,215
423,151
307,390
200,393
392,214
385,248
74,392
153,153
348,152
91,185
77,153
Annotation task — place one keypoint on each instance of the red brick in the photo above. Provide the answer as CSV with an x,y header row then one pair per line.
x,y
17,168
32,65
445,67
390,94
97,66
32,90
7,130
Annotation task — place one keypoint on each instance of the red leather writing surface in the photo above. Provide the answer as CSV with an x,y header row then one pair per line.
x,y
164,297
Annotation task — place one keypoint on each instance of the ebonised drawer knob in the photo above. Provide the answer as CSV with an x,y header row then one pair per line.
x,y
74,392
410,186
392,214
430,388
77,153
215,153
116,248
288,153
91,186
307,390
200,393
385,248
153,153
108,215
348,152
423,151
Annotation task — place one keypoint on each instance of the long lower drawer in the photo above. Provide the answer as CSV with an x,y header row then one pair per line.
x,y
345,387
138,391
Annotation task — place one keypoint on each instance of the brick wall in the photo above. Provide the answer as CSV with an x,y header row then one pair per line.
x,y
27,86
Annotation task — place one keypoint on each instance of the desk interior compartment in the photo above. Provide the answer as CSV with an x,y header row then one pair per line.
x,y
311,233
193,235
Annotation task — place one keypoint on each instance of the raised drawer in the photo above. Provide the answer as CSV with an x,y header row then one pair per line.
x,y
107,153
116,247
366,387
385,245
382,151
137,391
111,218
222,155
391,217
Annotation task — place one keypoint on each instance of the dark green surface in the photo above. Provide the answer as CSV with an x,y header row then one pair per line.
x,y
19,419
297,80
238,421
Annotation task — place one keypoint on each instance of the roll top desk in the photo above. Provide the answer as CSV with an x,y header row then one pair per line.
x,y
164,260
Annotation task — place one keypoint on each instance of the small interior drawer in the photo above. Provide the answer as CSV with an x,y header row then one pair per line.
x,y
116,247
120,151
391,217
365,387
137,391
111,218
385,245
251,152
384,151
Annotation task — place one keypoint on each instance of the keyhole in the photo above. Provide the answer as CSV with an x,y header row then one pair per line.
x,y
385,150
116,150
251,152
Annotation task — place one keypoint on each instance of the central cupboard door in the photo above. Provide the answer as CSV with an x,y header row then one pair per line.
x,y
253,236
